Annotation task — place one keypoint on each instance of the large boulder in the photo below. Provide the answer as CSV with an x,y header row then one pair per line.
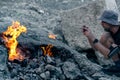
x,y
73,20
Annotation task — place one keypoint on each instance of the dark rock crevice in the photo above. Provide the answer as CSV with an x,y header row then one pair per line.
x,y
90,54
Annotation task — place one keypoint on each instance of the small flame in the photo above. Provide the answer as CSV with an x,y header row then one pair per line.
x,y
47,50
10,36
52,36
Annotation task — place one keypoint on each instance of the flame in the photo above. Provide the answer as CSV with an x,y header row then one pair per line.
x,y
10,36
47,50
52,36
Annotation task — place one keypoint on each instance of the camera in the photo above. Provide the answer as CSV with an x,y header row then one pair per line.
x,y
114,51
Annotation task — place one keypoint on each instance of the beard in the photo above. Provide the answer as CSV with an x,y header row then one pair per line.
x,y
107,29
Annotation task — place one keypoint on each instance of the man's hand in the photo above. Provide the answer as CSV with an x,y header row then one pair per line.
x,y
87,32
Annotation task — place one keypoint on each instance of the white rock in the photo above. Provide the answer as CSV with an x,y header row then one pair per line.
x,y
73,20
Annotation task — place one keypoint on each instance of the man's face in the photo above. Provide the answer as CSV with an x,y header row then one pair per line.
x,y
107,29
106,26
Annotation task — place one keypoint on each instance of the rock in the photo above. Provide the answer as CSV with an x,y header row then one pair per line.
x,y
62,77
50,67
58,72
14,73
45,75
102,76
59,62
118,2
55,71
54,78
97,57
50,60
4,74
33,64
39,70
87,66
102,60
70,70
108,78
24,63
21,78
86,77
73,20
3,58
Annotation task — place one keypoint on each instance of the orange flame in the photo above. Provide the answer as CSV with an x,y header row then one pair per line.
x,y
52,36
47,50
10,36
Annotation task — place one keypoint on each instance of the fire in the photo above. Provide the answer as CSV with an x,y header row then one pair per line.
x,y
47,50
52,36
10,38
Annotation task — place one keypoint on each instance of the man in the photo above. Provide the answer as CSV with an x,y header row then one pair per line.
x,y
109,40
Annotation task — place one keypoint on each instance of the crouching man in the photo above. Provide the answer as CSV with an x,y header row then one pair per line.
x,y
109,43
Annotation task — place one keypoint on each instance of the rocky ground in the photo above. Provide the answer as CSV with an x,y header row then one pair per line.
x,y
42,17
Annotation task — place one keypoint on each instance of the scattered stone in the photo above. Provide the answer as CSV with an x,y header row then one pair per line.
x,y
33,64
71,71
39,70
62,77
14,73
50,60
103,76
50,67
47,73
43,75
3,58
87,77
87,66
59,62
